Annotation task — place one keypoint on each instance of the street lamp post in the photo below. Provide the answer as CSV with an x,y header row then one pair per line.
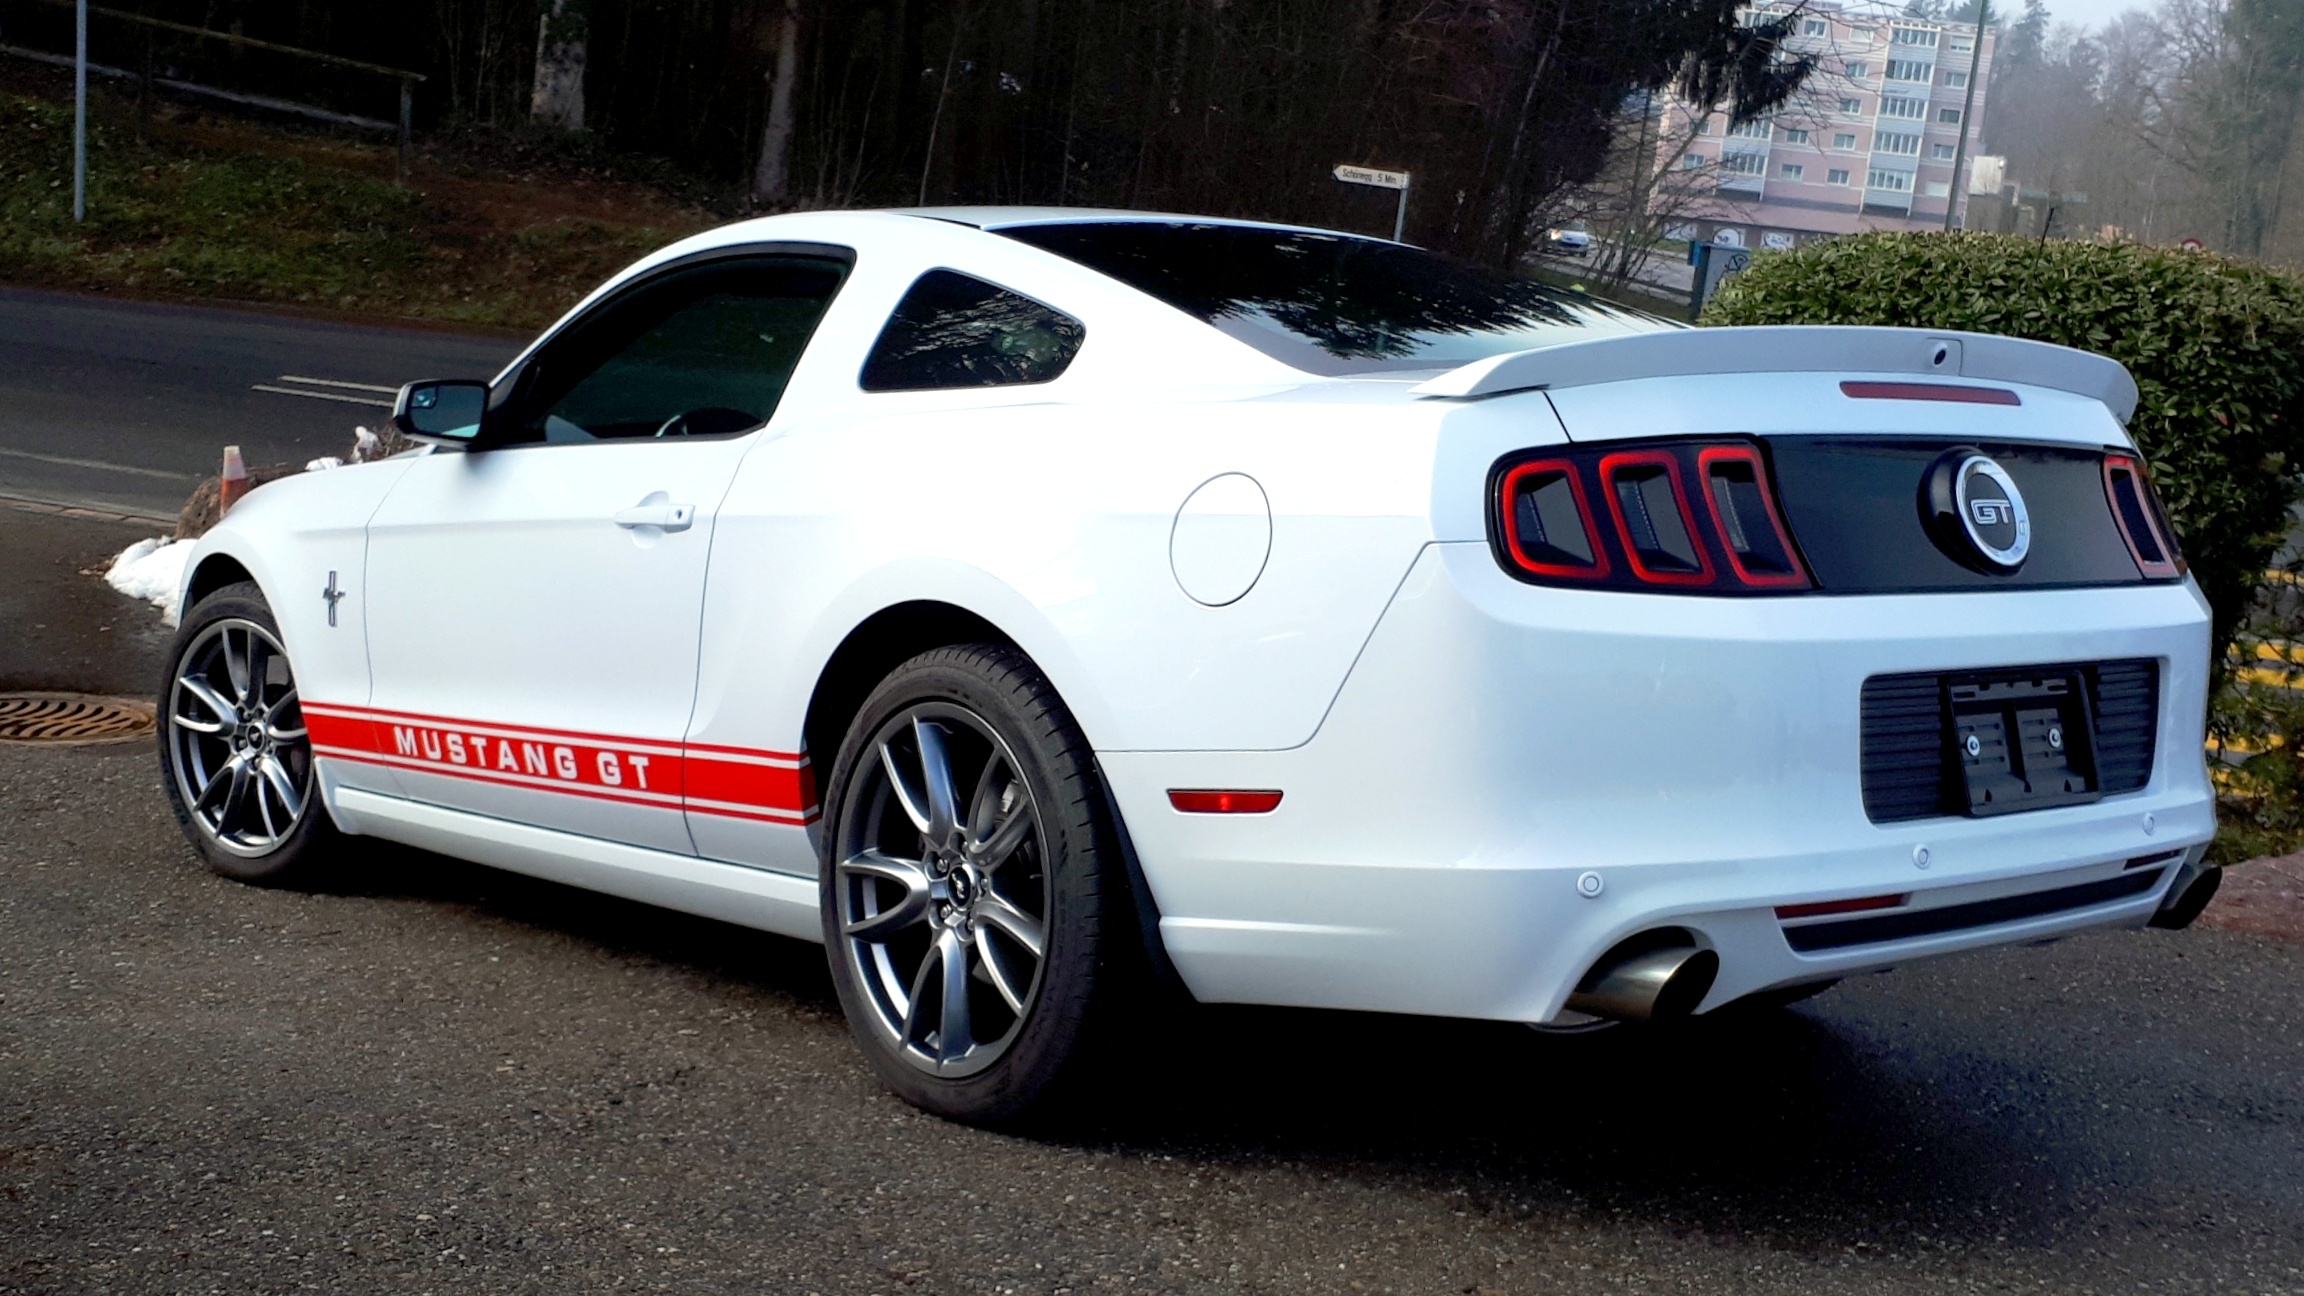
x,y
1967,115
80,112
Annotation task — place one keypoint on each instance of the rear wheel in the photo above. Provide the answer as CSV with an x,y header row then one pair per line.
x,y
234,755
969,885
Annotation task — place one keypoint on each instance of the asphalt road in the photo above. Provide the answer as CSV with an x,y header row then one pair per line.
x,y
126,405
440,1078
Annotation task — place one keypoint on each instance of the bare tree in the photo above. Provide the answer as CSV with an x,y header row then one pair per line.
x,y
772,176
563,35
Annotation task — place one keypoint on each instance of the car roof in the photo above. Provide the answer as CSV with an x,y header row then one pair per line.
x,y
1000,218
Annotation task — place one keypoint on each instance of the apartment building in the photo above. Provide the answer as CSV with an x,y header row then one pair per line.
x,y
1868,144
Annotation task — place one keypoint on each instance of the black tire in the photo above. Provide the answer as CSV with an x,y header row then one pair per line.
x,y
238,832
986,705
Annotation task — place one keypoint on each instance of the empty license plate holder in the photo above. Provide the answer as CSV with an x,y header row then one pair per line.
x,y
2023,740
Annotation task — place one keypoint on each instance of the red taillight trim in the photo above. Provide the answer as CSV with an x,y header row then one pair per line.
x,y
1505,503
2165,569
1610,465
1710,455
1930,392
1223,801
1823,908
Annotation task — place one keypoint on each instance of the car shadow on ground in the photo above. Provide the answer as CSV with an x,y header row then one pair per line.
x,y
1783,1124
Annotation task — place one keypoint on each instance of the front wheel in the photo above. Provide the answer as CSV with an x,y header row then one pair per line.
x,y
234,755
970,896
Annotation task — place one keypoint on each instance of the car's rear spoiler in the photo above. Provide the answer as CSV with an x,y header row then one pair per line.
x,y
1794,349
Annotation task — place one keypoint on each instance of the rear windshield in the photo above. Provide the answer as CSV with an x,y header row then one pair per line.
x,y
1331,303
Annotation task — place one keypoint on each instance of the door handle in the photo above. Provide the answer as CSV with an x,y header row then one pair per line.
x,y
664,517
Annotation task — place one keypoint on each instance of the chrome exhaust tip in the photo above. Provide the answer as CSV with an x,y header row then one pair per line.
x,y
1653,977
2194,887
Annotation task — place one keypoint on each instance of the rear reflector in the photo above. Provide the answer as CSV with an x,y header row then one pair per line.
x,y
1930,392
1828,907
1216,801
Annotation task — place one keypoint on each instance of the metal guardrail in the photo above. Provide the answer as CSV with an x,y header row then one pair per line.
x,y
406,78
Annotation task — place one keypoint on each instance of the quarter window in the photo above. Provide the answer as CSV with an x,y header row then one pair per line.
x,y
953,330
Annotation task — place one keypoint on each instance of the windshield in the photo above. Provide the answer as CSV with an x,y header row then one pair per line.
x,y
1331,303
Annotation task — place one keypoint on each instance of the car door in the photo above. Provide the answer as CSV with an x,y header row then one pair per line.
x,y
533,606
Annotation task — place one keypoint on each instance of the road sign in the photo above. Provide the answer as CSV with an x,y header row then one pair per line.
x,y
1361,175
1372,176
2193,245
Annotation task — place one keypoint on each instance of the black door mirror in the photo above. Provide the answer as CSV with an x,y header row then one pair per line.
x,y
446,412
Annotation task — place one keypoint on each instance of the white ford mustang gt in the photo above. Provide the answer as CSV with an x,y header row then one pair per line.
x,y
1029,603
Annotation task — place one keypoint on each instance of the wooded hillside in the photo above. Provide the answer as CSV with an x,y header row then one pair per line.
x,y
1234,107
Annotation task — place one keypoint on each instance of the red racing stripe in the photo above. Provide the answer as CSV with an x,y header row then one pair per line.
x,y
735,782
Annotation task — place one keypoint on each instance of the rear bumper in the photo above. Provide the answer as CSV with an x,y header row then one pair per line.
x,y
1495,742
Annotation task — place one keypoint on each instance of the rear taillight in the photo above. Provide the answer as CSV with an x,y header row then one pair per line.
x,y
1547,521
1700,517
2151,541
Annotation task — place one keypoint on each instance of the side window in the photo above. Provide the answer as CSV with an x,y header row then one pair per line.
x,y
704,351
952,330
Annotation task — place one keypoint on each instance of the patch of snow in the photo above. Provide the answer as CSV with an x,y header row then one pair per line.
x,y
324,463
152,570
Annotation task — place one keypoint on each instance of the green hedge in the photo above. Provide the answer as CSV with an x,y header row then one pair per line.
x,y
2217,348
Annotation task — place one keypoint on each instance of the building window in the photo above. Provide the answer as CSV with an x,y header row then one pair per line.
x,y
1960,45
1944,152
1948,116
1898,181
1795,136
1955,80
1939,188
1703,125
1851,107
1907,70
1844,140
1692,162
1908,109
1836,176
1886,142
1792,171
1915,36
1859,70
1752,130
1744,163
1814,27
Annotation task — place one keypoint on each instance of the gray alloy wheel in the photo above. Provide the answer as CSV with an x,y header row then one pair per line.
x,y
236,741
235,760
941,889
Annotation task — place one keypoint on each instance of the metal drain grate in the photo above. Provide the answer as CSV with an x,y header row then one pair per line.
x,y
71,717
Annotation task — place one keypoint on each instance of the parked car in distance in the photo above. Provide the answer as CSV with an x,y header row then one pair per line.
x,y
1025,602
1569,240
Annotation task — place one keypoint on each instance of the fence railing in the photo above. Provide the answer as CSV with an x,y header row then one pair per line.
x,y
149,79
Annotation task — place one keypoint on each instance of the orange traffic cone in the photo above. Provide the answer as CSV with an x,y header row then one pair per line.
x,y
234,483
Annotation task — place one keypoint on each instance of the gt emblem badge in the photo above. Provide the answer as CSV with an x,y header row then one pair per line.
x,y
1973,509
333,595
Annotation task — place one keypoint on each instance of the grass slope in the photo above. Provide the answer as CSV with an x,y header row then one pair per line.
x,y
249,213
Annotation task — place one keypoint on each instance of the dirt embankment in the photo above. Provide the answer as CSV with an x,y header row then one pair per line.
x,y
489,232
